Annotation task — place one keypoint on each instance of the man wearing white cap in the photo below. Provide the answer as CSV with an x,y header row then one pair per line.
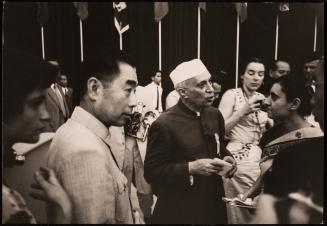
x,y
182,160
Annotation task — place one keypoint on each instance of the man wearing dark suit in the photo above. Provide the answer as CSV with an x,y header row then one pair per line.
x,y
183,146
68,92
56,103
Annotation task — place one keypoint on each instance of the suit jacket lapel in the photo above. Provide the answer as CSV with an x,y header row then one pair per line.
x,y
117,154
64,100
54,97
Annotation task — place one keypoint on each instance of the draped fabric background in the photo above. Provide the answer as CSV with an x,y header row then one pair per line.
x,y
179,35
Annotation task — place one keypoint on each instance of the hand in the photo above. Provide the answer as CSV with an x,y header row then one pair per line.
x,y
242,197
121,183
52,192
137,218
233,170
252,105
204,167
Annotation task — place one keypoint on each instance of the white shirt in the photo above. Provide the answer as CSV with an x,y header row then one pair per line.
x,y
150,97
172,99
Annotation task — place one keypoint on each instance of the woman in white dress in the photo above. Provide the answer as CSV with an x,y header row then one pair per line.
x,y
245,122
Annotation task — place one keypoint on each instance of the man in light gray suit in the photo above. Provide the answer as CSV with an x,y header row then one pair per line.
x,y
80,153
67,91
56,103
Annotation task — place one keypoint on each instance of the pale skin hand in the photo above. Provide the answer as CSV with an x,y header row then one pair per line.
x,y
232,161
226,107
251,106
204,167
208,167
52,192
121,182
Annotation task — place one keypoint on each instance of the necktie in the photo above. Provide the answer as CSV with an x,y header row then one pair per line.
x,y
61,101
157,107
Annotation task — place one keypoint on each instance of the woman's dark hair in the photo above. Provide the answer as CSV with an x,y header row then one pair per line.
x,y
22,74
247,62
294,86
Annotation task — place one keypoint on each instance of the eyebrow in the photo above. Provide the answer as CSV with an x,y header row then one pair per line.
x,y
202,83
273,94
37,99
132,82
255,70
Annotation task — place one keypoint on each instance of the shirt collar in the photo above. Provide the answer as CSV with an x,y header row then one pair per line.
x,y
155,84
187,109
92,123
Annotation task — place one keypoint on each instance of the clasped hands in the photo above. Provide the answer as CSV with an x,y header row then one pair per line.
x,y
208,167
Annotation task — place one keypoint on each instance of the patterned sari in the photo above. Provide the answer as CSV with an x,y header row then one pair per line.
x,y
295,137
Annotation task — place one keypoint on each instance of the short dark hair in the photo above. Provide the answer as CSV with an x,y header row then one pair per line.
x,y
57,66
247,62
312,56
22,74
295,86
273,65
103,64
154,72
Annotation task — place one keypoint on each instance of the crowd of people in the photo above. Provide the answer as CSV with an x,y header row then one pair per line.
x,y
122,156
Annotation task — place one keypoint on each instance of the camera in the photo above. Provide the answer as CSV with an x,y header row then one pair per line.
x,y
263,105
260,102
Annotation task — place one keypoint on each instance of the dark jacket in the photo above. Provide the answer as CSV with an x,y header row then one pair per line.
x,y
177,137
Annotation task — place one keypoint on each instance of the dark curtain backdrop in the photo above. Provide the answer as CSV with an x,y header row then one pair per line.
x,y
179,35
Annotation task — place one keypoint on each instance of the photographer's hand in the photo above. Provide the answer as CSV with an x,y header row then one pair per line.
x,y
52,192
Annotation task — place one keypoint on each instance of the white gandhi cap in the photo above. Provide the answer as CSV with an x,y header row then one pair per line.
x,y
187,70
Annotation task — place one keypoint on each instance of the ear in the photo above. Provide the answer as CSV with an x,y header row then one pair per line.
x,y
242,77
295,104
182,92
94,88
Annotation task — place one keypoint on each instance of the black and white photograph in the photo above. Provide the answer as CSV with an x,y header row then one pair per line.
x,y
163,112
